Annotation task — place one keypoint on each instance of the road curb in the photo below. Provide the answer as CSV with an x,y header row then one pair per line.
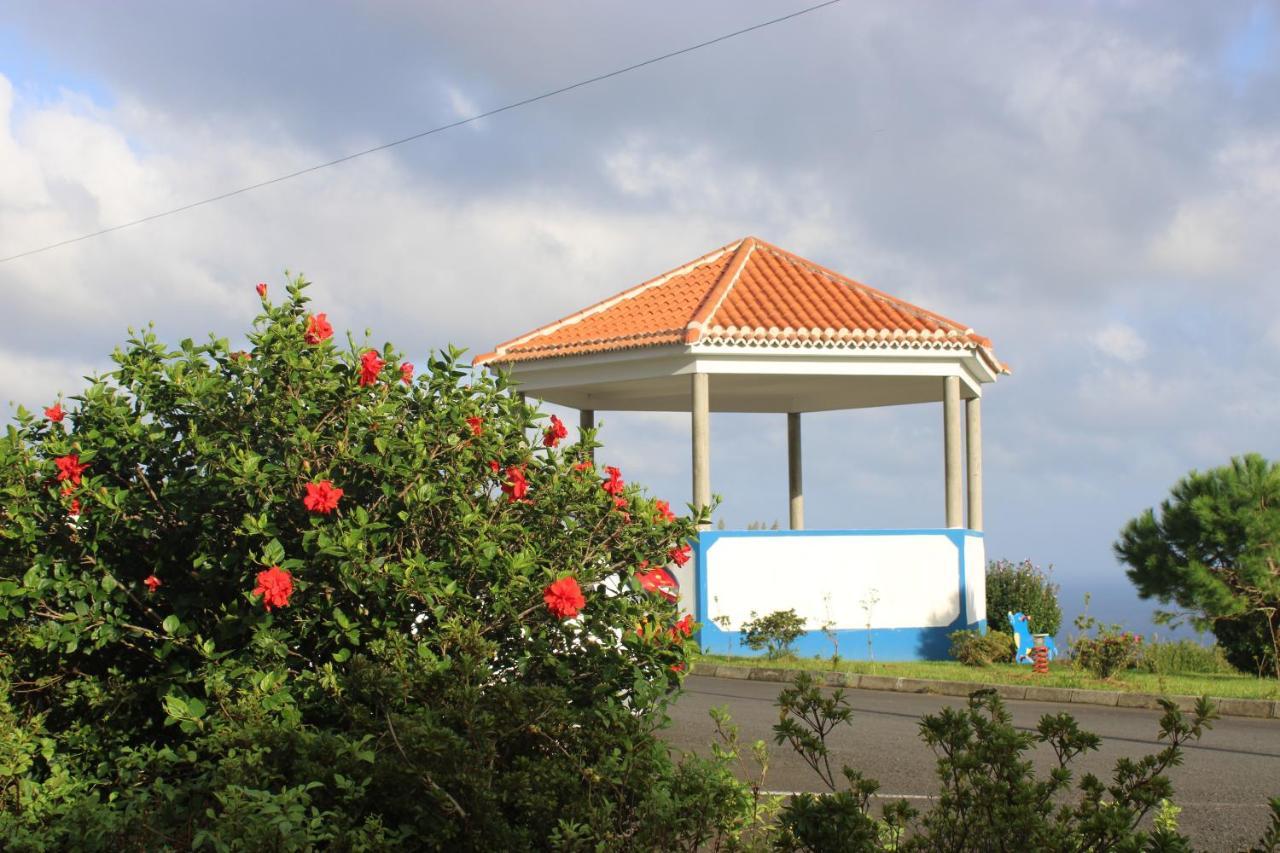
x,y
1255,708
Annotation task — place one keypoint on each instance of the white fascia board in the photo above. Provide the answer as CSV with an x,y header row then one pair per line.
x,y
826,362
597,368
679,359
980,369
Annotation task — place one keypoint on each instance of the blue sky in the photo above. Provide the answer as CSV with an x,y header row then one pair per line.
x,y
1093,186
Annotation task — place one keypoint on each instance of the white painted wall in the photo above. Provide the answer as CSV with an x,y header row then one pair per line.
x,y
915,576
975,578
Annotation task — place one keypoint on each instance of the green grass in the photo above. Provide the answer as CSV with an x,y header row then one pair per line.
x,y
1060,675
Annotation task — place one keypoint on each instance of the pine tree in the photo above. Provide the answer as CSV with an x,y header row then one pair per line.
x,y
1214,550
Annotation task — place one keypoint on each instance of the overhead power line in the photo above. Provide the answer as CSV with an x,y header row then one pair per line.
x,y
440,129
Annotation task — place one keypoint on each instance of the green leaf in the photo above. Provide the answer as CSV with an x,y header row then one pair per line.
x,y
171,623
273,553
175,706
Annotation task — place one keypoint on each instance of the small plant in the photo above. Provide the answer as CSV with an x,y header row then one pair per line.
x,y
1108,651
828,627
773,633
868,606
723,621
728,749
1166,817
974,649
840,820
1022,588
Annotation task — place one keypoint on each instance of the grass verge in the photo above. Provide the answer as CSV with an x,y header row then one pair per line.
x,y
1060,675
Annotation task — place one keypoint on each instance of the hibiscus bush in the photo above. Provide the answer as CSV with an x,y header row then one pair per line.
x,y
303,594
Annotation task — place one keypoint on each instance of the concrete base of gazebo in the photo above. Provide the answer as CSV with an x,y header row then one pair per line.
x,y
882,594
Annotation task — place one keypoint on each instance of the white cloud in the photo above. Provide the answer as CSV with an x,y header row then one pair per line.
x,y
418,261
35,381
1121,342
1226,231
1084,75
1203,240
463,107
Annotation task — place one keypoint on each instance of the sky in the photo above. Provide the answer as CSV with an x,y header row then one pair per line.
x,y
1094,186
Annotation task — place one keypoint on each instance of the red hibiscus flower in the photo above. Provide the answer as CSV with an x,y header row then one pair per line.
x,y
152,582
275,585
321,497
614,484
55,413
262,290
677,668
684,628
584,465
494,466
406,373
75,507
370,367
516,486
318,329
564,598
664,510
659,581
69,468
554,433
477,425
680,555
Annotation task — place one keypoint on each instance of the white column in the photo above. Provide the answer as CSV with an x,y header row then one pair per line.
x,y
795,472
586,421
951,445
973,466
701,410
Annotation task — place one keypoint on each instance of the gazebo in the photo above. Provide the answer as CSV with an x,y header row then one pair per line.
x,y
751,327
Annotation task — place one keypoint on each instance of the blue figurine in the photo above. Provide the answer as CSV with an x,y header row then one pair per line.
x,y
1022,631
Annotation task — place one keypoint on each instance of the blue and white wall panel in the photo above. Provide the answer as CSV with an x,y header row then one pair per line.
x,y
913,587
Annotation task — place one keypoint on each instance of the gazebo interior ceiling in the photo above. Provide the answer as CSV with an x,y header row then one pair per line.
x,y
748,393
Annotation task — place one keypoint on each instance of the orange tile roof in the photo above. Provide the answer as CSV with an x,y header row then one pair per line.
x,y
748,293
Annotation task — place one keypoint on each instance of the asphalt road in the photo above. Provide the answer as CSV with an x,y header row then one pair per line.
x,y
1222,786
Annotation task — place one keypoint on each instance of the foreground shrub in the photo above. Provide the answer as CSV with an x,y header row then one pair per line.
x,y
991,797
976,649
1022,588
300,596
773,633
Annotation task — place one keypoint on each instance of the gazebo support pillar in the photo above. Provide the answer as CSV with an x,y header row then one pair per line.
x,y
973,464
951,447
795,472
701,428
586,421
